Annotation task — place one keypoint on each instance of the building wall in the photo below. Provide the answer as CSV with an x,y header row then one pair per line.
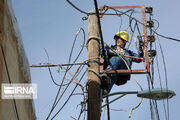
x,y
13,65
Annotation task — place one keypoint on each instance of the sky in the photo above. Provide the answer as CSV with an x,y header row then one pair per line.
x,y
53,24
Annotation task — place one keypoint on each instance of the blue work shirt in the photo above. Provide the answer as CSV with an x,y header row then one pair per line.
x,y
116,62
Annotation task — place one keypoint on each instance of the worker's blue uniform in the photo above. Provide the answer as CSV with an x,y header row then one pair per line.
x,y
116,62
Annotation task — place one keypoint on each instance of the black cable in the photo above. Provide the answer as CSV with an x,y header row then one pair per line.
x,y
158,25
77,8
167,37
151,109
157,62
101,36
52,78
68,97
58,99
165,77
145,25
130,10
121,21
152,65
9,79
130,21
122,13
157,111
108,109
151,79
132,30
76,58
68,68
74,76
153,68
154,105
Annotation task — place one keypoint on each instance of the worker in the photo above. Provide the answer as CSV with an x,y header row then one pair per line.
x,y
116,57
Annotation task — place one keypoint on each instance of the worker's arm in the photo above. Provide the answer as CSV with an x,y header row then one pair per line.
x,y
109,52
139,54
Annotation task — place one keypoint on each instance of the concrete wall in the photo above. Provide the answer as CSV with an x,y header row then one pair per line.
x,y
13,65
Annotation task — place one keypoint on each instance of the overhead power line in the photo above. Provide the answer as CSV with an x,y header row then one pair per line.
x,y
170,38
56,100
77,7
100,32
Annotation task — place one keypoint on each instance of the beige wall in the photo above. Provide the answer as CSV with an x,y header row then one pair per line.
x,y
13,65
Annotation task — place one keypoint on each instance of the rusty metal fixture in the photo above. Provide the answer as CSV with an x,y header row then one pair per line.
x,y
142,7
149,10
151,38
152,53
150,24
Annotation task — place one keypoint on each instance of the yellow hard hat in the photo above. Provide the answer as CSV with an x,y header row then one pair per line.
x,y
123,35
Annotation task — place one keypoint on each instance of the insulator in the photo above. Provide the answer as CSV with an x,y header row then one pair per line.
x,y
151,38
150,24
151,53
149,10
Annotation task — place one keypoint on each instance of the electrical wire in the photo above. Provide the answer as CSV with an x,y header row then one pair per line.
x,y
144,25
165,76
100,32
151,82
121,21
130,113
77,7
74,76
105,7
157,63
174,39
132,75
58,65
108,109
102,42
132,30
52,78
68,97
152,69
68,68
150,78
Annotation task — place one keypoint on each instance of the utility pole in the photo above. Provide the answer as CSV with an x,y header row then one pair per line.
x,y
93,69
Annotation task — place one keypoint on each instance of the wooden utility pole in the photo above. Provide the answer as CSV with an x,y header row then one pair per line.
x,y
93,69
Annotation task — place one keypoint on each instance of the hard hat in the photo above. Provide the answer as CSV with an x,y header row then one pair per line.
x,y
123,35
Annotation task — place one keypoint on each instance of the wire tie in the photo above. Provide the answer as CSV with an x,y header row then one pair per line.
x,y
93,37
